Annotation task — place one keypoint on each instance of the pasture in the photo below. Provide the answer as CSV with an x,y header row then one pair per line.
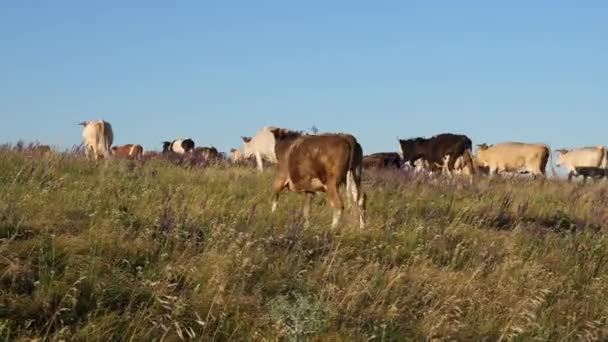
x,y
150,251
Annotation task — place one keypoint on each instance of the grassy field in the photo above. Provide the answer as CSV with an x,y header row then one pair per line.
x,y
155,251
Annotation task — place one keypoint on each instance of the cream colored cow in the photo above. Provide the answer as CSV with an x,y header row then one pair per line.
x,y
592,156
514,157
97,137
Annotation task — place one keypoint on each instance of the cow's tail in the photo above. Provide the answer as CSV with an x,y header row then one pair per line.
x,y
469,160
553,173
104,144
354,177
604,164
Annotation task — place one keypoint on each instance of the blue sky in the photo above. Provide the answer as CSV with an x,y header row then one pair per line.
x,y
216,70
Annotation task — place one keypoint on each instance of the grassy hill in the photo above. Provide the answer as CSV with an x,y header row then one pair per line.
x,y
142,251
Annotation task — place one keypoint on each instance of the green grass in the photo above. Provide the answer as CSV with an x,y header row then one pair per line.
x,y
155,251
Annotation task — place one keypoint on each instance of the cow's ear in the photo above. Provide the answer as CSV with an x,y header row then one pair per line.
x,y
482,146
275,131
246,139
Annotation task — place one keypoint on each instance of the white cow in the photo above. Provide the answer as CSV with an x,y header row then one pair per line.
x,y
592,156
97,137
261,145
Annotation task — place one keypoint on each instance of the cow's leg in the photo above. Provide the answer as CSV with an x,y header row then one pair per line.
x,y
87,152
570,174
258,159
451,163
333,195
277,186
308,196
357,196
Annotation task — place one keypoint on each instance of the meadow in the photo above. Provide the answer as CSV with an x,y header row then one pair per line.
x,y
149,250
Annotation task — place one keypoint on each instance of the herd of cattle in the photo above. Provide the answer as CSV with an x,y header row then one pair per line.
x,y
311,163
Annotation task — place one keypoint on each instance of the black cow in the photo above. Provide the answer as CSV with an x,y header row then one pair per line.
x,y
591,171
433,150
179,146
382,160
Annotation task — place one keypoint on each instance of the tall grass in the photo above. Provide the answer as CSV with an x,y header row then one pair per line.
x,y
150,250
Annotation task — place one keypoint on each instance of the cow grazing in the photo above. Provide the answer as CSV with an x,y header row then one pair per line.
x,y
261,146
128,151
591,171
435,150
594,157
207,153
235,155
40,150
382,160
516,157
319,163
179,146
97,137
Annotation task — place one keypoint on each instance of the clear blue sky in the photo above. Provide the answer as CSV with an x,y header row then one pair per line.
x,y
216,70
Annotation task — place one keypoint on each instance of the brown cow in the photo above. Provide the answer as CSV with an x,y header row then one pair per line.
x,y
382,160
41,150
313,163
207,153
128,151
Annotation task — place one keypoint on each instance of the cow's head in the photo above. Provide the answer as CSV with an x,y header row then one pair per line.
x,y
481,158
248,148
408,148
166,146
562,153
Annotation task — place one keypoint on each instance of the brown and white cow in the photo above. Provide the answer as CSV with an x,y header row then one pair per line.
x,y
97,137
516,157
319,163
128,151
592,156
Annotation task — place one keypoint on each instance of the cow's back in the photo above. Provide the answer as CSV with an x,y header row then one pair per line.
x,y
514,156
585,157
322,157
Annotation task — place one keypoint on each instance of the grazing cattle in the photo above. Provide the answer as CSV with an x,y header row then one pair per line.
x,y
313,163
261,146
516,157
97,137
382,160
179,146
236,155
591,171
128,151
41,150
594,156
207,153
435,150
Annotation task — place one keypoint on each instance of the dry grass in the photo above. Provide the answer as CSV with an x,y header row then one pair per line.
x,y
150,250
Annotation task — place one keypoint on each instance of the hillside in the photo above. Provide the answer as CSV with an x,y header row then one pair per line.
x,y
142,251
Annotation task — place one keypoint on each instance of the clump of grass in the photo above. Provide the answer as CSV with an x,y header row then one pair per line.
x,y
183,249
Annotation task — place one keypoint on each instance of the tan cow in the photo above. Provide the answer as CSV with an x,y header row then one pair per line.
x,y
514,157
128,151
97,137
319,163
235,155
592,156
41,150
